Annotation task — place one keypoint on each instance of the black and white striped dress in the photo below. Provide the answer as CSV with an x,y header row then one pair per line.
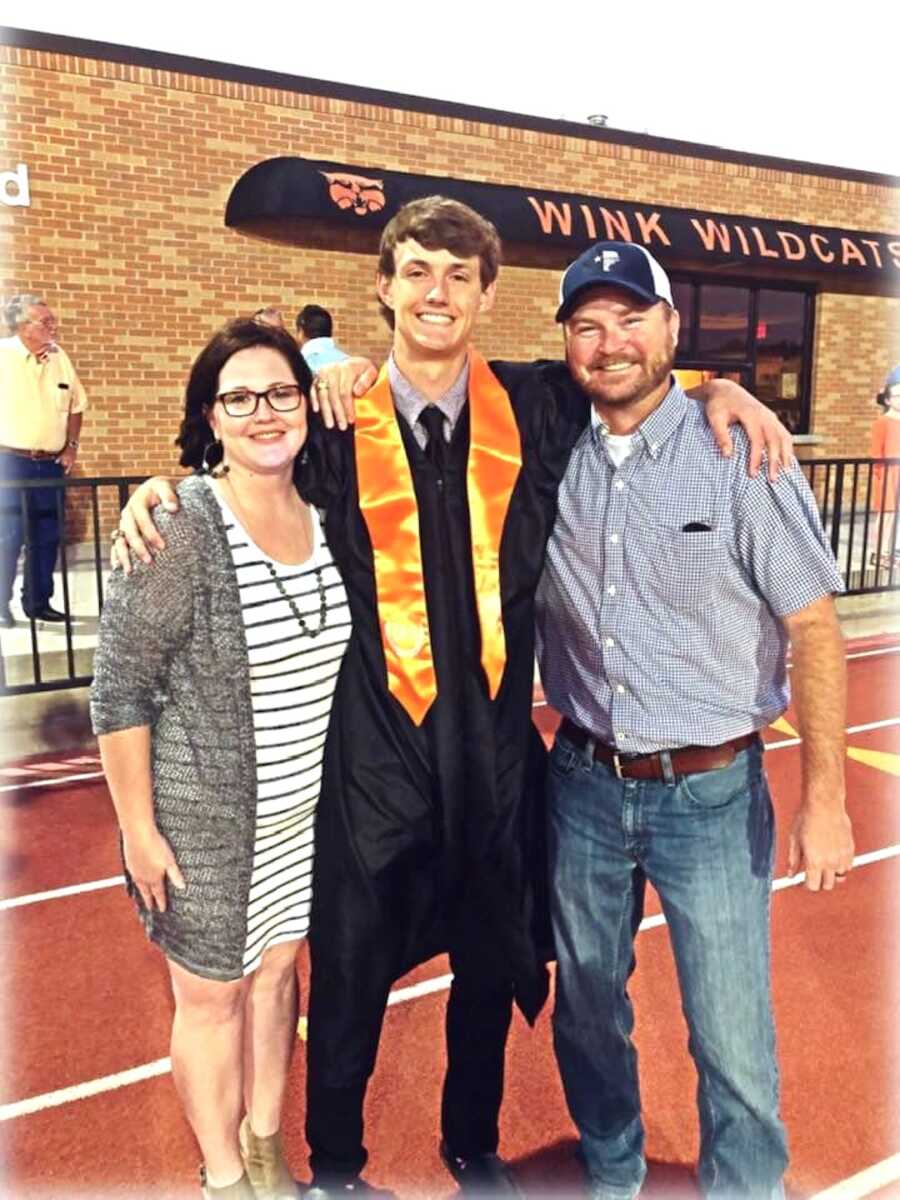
x,y
292,680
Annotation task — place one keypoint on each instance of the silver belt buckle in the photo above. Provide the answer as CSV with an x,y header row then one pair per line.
x,y
617,765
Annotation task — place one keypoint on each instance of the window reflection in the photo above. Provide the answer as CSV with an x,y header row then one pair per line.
x,y
683,295
779,354
689,378
724,322
760,336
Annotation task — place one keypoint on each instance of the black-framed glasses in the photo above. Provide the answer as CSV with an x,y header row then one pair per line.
x,y
281,397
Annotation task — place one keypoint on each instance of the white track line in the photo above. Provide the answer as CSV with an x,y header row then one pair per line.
x,y
17,787
873,856
861,860
20,787
75,889
162,1066
789,881
440,983
82,1091
865,1183
851,729
874,653
35,783
866,654
97,884
874,725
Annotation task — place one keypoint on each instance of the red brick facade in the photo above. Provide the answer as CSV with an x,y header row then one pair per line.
x,y
130,169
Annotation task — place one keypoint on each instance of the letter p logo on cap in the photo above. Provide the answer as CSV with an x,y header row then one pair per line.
x,y
607,259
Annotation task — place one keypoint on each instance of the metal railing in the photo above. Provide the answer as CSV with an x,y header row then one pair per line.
x,y
857,499
38,656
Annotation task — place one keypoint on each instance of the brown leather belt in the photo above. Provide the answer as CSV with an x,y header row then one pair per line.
x,y
32,454
687,760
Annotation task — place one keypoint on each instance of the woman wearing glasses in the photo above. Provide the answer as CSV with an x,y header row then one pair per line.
x,y
213,683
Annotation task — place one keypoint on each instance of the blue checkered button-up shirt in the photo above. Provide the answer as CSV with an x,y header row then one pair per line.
x,y
652,636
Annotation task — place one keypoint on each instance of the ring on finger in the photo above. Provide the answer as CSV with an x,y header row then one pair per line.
x,y
116,534
322,385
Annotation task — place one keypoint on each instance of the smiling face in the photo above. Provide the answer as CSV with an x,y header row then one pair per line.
x,y
621,350
435,297
268,442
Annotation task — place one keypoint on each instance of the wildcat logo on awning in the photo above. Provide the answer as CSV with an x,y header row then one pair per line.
x,y
363,195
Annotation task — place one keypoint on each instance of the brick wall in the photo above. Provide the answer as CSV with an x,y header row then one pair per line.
x,y
130,169
857,341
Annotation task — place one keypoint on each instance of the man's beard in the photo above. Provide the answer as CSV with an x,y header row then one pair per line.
x,y
654,373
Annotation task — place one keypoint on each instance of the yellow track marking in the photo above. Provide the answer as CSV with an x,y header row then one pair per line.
x,y
881,760
783,726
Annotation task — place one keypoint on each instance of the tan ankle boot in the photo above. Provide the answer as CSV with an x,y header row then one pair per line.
x,y
266,1166
242,1189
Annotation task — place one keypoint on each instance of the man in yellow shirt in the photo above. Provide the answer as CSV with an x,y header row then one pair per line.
x,y
41,406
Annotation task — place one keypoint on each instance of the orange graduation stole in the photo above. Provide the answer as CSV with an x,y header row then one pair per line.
x,y
388,502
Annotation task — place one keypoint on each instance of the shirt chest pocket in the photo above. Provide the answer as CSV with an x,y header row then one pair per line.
x,y
63,397
685,568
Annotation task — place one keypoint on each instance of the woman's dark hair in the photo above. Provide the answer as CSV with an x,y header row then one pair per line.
x,y
195,435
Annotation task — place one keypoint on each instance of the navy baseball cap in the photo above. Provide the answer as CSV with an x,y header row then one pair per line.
x,y
613,264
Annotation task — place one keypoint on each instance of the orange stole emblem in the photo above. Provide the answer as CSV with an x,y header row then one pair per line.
x,y
388,502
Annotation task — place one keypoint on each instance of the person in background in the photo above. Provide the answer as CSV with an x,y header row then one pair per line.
x,y
270,316
214,677
673,584
314,336
885,443
41,407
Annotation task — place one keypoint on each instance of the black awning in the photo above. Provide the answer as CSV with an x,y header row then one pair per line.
x,y
357,197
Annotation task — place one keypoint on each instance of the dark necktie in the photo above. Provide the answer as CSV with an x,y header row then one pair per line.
x,y
432,421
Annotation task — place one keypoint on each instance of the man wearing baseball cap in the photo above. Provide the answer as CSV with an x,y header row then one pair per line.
x,y
672,586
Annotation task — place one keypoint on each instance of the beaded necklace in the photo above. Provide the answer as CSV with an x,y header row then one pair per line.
x,y
305,628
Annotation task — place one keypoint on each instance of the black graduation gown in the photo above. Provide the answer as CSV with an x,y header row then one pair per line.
x,y
430,838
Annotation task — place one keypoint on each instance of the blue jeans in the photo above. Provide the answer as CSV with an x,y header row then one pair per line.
x,y
705,841
40,533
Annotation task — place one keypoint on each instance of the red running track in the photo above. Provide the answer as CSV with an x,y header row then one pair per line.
x,y
87,997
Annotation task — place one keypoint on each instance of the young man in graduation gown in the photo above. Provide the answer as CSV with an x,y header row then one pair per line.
x,y
439,504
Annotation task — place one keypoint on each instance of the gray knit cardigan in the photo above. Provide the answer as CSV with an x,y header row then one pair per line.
x,y
173,655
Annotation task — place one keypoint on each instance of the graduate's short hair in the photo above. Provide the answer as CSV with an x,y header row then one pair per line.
x,y
438,223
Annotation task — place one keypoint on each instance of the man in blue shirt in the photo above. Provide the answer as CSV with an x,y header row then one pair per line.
x,y
314,330
672,586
